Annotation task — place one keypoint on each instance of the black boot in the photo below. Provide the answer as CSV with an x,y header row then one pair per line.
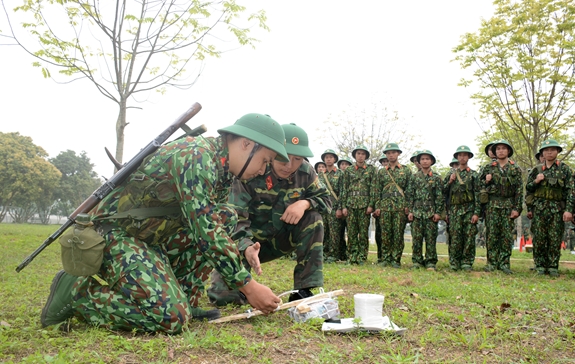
x,y
301,294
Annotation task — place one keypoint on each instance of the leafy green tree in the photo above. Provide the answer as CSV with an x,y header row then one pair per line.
x,y
78,179
523,63
25,175
127,48
373,126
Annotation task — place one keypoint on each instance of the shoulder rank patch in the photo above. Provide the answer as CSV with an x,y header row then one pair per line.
x,y
269,183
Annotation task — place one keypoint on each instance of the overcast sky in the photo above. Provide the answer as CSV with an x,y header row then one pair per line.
x,y
319,58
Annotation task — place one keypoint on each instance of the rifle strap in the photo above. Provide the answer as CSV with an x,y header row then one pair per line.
x,y
145,212
459,177
329,186
399,189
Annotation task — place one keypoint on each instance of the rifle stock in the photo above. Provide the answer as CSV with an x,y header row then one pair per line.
x,y
117,179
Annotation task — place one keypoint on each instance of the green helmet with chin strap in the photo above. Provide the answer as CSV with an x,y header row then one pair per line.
x,y
296,141
427,152
318,164
261,129
504,142
329,151
343,159
360,147
453,161
548,144
463,149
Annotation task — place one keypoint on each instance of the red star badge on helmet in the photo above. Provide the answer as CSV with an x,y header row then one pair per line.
x,y
295,140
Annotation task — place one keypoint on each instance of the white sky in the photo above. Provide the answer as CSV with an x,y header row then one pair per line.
x,y
319,57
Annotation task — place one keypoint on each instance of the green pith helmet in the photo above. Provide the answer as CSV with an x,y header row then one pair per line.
x,y
453,161
344,159
391,146
383,156
329,151
549,143
537,156
462,149
487,148
317,164
261,129
428,152
360,147
296,141
413,157
504,142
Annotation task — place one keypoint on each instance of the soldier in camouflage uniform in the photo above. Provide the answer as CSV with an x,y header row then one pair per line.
x,y
384,162
279,213
333,246
156,266
343,163
426,206
356,204
502,180
462,187
413,159
391,206
551,185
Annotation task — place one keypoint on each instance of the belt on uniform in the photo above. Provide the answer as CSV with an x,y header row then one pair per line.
x,y
359,193
391,194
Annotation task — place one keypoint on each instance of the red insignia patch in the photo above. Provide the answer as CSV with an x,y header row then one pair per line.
x,y
295,140
269,183
223,160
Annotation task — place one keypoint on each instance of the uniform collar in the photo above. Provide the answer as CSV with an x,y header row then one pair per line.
x,y
357,167
398,166
554,163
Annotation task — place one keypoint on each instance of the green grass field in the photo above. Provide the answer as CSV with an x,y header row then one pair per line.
x,y
473,317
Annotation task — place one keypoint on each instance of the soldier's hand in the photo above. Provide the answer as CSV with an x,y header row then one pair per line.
x,y
261,297
530,215
295,211
474,219
252,256
338,214
436,218
344,212
540,177
369,211
452,178
410,217
377,212
567,216
514,214
488,178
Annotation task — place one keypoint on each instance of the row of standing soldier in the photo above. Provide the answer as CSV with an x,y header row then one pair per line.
x,y
394,196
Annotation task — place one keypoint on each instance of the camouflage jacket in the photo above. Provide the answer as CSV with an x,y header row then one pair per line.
x,y
386,195
505,189
333,178
555,192
463,195
357,186
261,201
192,174
424,195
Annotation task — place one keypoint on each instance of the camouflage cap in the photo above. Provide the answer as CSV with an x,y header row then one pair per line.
x,y
504,142
261,129
343,159
296,141
391,146
360,147
317,164
427,152
548,144
329,151
463,149
453,161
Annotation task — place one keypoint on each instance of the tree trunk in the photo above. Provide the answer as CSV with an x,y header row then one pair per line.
x,y
120,126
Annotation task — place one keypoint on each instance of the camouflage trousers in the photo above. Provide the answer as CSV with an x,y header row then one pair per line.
x,y
143,290
462,244
305,239
343,238
357,235
498,229
424,228
333,249
392,230
378,240
548,230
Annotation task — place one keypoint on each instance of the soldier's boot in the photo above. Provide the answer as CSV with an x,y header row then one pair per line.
x,y
488,268
300,294
395,265
466,267
506,270
540,271
58,306
553,272
221,295
200,314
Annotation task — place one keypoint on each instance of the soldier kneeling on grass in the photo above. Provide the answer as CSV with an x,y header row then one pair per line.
x,y
279,213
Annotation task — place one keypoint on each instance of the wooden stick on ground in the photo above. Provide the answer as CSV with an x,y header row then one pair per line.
x,y
318,297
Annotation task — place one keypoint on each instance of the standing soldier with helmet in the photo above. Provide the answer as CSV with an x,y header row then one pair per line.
x,y
462,187
502,181
384,162
333,249
426,206
551,186
343,163
357,205
391,205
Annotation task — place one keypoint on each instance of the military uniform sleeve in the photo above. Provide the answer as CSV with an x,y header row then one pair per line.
x,y
569,186
195,176
518,199
476,188
439,202
317,195
531,186
410,195
240,199
344,189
